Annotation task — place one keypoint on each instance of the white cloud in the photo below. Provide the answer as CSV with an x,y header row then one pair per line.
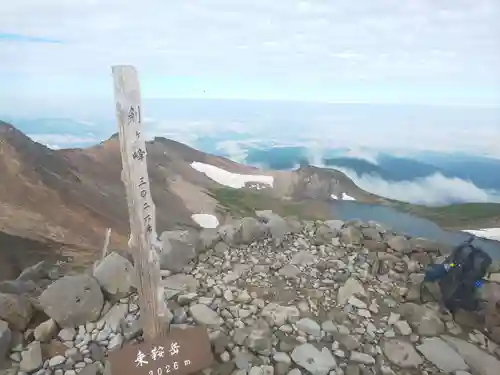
x,y
431,190
337,41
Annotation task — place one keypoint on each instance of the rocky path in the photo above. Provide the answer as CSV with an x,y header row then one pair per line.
x,y
277,297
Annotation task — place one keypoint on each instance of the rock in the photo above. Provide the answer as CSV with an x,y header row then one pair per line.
x,y
230,233
203,314
45,331
309,326
442,355
315,361
424,320
116,342
277,315
400,244
479,361
181,282
15,310
35,272
351,288
356,303
375,246
424,245
363,358
251,230
115,317
325,233
96,352
73,300
403,327
371,234
57,360
351,235
256,370
289,271
178,248
303,258
259,338
19,287
90,369
32,357
5,337
115,275
401,353
67,334
275,224
207,240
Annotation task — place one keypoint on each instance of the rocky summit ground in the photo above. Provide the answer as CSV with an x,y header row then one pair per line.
x,y
277,296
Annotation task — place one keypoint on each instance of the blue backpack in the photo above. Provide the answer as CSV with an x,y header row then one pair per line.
x,y
460,275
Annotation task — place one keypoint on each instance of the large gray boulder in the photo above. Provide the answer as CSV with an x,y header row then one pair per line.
x,y
351,235
209,237
32,358
230,233
442,355
16,310
115,275
178,248
251,230
480,362
73,300
400,244
423,319
275,224
314,361
401,353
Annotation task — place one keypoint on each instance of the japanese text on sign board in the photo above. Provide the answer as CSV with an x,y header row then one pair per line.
x,y
134,115
157,353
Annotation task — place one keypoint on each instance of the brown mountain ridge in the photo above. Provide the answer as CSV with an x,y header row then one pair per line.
x,y
65,199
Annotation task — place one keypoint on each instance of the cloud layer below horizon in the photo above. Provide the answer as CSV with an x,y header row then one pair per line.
x,y
433,190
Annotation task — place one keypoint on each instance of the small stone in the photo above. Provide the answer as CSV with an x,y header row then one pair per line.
x,y
357,303
57,360
67,334
363,358
32,357
315,361
403,327
228,295
309,326
256,370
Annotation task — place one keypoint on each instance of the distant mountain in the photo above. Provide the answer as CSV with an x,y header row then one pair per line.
x,y
360,166
388,168
279,158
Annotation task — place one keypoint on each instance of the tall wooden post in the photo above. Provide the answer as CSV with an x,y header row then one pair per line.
x,y
143,238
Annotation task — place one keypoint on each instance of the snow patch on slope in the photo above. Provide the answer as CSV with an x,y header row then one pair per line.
x,y
343,197
206,220
488,233
229,179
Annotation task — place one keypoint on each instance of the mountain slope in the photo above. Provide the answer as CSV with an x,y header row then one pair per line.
x,y
63,201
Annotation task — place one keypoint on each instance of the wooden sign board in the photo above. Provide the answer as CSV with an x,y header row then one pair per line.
x,y
181,352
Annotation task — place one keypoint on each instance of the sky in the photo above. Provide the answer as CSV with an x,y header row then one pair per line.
x,y
444,52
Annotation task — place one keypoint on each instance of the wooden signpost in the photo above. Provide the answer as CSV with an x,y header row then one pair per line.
x,y
180,351
143,238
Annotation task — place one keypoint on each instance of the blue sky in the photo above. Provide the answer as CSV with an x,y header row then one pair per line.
x,y
384,51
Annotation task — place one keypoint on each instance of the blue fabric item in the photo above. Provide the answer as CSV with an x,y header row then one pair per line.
x,y
435,272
